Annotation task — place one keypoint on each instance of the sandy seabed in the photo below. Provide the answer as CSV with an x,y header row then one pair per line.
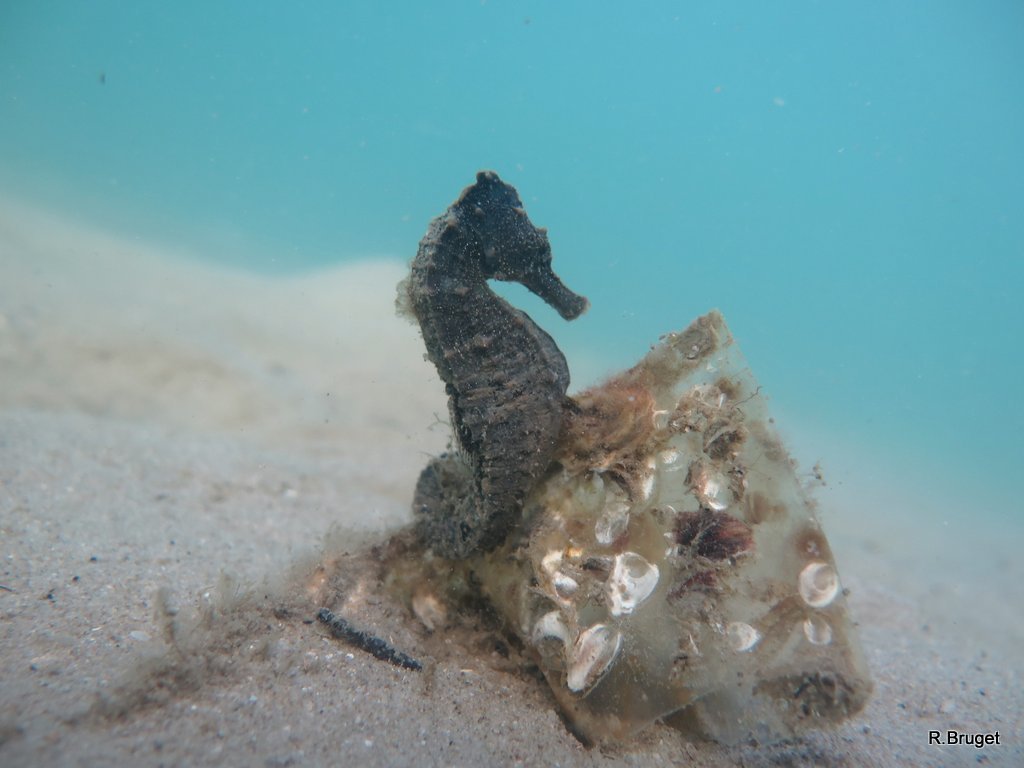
x,y
181,445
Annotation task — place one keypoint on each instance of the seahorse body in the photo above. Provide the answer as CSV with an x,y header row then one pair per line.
x,y
506,379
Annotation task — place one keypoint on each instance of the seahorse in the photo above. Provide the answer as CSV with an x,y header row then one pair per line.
x,y
505,378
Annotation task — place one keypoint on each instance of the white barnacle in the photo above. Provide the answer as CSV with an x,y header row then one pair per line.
x,y
817,630
550,626
565,586
818,584
612,523
742,637
632,581
592,656
710,487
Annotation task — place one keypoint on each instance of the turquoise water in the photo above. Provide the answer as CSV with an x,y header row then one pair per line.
x,y
843,180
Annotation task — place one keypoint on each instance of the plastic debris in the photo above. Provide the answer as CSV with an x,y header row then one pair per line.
x,y
707,597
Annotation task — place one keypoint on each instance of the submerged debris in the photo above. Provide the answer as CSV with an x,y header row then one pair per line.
x,y
711,593
375,646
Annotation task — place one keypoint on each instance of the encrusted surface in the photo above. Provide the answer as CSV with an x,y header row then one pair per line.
x,y
671,564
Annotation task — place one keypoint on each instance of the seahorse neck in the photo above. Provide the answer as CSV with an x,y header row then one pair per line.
x,y
449,295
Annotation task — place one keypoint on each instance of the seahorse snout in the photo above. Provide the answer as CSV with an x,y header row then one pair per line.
x,y
546,284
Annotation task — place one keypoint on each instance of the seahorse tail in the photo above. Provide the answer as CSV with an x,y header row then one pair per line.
x,y
453,515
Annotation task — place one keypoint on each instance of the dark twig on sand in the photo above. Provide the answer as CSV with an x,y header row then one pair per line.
x,y
376,646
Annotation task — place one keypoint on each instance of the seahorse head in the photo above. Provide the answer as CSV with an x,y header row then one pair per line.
x,y
508,246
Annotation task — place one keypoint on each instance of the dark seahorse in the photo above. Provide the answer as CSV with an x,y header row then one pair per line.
x,y
506,379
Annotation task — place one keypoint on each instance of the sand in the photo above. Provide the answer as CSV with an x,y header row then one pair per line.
x,y
182,445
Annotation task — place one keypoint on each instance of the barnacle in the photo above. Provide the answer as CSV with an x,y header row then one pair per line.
x,y
819,584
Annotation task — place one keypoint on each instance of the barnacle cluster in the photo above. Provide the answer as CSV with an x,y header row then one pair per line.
x,y
670,567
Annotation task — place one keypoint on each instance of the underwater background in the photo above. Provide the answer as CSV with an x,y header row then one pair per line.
x,y
845,181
